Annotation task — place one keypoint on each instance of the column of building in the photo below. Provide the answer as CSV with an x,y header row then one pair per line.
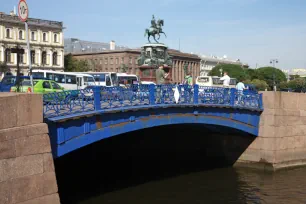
x,y
179,71
1,54
176,70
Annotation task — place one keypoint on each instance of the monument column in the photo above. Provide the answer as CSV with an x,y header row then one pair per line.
x,y
180,72
177,71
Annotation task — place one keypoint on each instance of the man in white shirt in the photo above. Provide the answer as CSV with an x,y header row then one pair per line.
x,y
240,87
226,80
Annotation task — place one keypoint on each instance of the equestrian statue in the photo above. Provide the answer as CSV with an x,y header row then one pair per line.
x,y
155,29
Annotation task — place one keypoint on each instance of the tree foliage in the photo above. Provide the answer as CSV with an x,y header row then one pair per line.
x,y
3,67
259,84
124,68
74,65
233,70
298,84
269,74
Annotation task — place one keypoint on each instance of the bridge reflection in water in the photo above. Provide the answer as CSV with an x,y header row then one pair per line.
x,y
136,167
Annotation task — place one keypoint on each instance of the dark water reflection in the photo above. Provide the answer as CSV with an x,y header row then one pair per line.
x,y
226,185
153,168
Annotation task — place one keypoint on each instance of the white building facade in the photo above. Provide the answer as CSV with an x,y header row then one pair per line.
x,y
46,44
209,62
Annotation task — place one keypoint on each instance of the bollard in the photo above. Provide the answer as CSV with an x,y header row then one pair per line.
x,y
196,94
97,97
152,94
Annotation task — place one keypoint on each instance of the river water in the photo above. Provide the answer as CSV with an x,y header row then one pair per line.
x,y
151,168
225,185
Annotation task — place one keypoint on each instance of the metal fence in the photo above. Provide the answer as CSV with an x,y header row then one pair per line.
x,y
138,96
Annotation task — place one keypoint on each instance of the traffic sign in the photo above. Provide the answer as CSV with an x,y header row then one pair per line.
x,y
23,10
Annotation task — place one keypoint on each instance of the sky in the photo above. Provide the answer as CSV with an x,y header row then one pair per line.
x,y
254,31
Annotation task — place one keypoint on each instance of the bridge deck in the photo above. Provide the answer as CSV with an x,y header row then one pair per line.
x,y
107,99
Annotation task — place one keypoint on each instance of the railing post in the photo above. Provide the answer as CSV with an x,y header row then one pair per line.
x,y
97,97
232,97
152,94
260,104
196,94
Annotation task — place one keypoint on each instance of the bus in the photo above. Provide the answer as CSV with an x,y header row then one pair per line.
x,y
68,80
127,79
108,79
214,81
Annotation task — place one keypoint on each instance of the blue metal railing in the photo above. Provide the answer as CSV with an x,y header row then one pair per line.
x,y
111,98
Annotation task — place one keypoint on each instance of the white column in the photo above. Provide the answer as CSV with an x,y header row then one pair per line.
x,y
1,33
38,36
50,58
15,58
50,38
1,54
62,59
38,56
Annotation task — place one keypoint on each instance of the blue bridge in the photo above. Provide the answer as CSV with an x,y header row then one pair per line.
x,y
82,117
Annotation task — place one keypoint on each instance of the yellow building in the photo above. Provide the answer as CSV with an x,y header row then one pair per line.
x,y
46,43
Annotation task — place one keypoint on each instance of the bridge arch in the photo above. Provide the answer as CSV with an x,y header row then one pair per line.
x,y
76,131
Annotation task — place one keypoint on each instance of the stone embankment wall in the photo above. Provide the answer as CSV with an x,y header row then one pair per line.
x,y
282,134
27,174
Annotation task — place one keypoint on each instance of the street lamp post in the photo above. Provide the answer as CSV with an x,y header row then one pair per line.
x,y
221,71
273,61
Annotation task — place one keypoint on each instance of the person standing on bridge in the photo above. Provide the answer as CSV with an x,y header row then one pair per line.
x,y
226,82
240,87
161,76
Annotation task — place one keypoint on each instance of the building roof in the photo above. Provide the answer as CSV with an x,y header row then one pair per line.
x,y
174,53
136,51
12,18
74,45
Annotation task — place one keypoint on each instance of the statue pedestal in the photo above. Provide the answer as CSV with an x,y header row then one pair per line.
x,y
152,56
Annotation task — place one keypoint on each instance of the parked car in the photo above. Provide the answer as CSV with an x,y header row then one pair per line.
x,y
10,81
40,86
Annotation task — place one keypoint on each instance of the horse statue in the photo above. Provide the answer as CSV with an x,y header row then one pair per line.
x,y
155,29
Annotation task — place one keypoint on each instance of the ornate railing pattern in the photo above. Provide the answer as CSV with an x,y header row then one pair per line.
x,y
107,98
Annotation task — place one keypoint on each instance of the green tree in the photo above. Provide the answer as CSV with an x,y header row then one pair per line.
x,y
296,84
259,84
233,70
123,68
251,74
74,65
271,74
3,67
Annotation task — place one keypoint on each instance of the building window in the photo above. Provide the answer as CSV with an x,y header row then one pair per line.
x,y
21,58
8,33
44,58
55,38
122,60
32,56
117,60
54,58
100,61
131,60
32,35
8,56
135,60
45,37
20,35
111,61
106,60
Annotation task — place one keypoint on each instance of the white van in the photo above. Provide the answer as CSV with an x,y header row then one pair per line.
x,y
108,79
214,81
127,79
68,80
